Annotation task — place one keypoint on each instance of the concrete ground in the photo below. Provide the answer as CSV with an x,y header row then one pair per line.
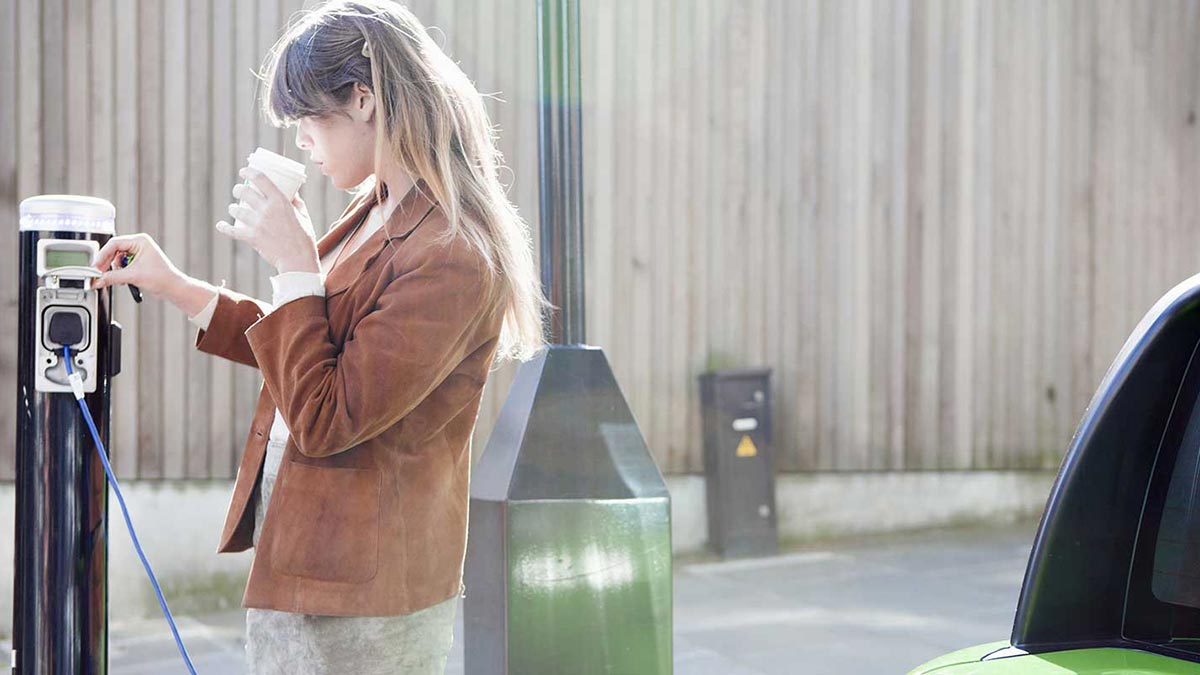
x,y
877,605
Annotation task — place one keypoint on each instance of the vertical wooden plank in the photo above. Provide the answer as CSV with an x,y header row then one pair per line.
x,y
1035,234
247,381
898,300
224,442
914,436
1137,163
1183,238
747,259
101,60
825,242
54,91
1007,271
840,168
463,44
806,99
22,163
662,337
1188,156
777,221
1050,352
697,17
126,447
860,264
199,165
76,100
9,233
1004,281
734,194
270,23
617,351
29,101
150,32
776,294
678,79
525,186
639,356
1080,126
1111,139
933,272
99,67
957,236
177,116
1164,95
984,363
497,89
597,79
881,79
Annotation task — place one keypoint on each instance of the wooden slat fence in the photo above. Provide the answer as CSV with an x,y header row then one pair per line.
x,y
936,220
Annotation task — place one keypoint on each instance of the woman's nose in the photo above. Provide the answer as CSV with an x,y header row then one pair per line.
x,y
302,142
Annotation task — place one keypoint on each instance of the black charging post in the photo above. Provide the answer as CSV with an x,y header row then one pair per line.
x,y
60,613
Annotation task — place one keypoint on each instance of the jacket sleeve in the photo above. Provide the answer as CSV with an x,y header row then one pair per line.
x,y
412,339
225,334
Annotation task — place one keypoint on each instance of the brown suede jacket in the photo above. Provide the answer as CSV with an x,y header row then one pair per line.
x,y
380,383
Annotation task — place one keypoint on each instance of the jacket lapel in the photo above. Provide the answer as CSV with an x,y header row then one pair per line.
x,y
354,212
413,209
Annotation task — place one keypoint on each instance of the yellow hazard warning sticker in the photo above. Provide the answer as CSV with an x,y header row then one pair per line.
x,y
746,447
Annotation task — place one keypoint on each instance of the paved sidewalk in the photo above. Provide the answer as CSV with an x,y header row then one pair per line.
x,y
874,606
883,605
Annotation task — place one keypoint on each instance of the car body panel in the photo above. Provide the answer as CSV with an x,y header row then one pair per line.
x,y
1101,661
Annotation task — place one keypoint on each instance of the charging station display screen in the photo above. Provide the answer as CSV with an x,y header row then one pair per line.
x,y
67,258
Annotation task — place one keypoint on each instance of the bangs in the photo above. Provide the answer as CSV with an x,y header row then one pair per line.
x,y
293,88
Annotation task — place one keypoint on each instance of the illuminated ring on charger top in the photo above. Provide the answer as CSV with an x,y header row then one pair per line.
x,y
68,213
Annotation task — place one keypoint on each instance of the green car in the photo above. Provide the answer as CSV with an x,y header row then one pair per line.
x,y
1113,581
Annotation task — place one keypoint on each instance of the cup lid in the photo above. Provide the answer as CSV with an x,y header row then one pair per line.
x,y
275,162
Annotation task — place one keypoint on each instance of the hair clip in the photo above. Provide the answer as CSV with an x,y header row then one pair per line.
x,y
366,50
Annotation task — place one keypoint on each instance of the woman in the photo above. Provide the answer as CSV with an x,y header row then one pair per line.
x,y
374,351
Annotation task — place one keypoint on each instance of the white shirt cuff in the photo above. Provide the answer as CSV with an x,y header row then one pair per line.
x,y
289,286
202,319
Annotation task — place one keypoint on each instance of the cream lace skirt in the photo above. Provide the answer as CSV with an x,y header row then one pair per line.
x,y
285,642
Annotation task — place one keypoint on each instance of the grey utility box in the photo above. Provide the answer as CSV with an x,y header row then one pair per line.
x,y
739,462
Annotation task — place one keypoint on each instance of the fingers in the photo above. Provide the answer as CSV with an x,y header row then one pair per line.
x,y
264,184
114,277
114,247
249,194
243,214
239,232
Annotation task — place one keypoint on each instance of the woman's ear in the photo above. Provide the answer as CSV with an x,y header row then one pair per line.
x,y
362,104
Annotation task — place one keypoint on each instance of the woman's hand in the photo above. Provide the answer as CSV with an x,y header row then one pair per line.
x,y
279,230
150,270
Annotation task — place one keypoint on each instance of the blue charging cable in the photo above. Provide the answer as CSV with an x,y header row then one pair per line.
x,y
77,387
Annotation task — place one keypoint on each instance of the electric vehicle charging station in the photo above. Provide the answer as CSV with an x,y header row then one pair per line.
x,y
60,622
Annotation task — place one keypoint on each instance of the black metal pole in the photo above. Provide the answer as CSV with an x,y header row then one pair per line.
x,y
60,594
560,168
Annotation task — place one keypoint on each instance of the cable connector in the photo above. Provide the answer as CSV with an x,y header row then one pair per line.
x,y
76,380
73,375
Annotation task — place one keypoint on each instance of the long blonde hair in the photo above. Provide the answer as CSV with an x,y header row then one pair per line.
x,y
431,120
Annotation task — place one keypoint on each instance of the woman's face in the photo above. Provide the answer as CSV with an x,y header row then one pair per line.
x,y
342,143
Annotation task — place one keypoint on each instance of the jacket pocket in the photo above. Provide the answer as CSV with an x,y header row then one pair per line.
x,y
327,524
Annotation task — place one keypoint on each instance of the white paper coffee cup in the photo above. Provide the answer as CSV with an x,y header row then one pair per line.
x,y
287,174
